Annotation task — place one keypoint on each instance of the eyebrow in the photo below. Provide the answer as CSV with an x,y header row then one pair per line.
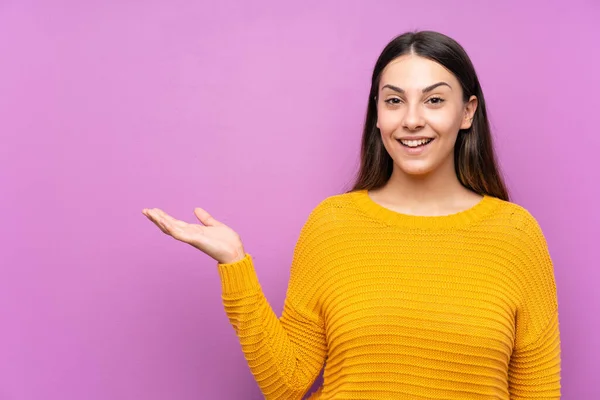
x,y
425,90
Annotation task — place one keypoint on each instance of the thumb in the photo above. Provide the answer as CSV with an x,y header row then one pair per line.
x,y
206,218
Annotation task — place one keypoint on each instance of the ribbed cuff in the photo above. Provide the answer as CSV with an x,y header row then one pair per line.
x,y
239,276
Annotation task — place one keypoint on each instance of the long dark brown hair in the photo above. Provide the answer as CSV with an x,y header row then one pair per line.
x,y
474,158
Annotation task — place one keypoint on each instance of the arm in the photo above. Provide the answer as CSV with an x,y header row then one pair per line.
x,y
535,365
285,355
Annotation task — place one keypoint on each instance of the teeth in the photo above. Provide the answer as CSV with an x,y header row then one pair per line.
x,y
415,143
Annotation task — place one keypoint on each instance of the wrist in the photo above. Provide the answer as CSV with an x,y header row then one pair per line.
x,y
236,256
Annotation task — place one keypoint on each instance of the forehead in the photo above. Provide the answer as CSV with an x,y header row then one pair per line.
x,y
414,72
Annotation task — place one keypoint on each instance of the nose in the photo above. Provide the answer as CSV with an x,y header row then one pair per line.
x,y
413,120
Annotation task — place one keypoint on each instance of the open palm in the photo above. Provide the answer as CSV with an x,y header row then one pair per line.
x,y
213,238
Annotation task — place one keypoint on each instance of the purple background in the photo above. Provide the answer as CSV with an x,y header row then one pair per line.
x,y
254,112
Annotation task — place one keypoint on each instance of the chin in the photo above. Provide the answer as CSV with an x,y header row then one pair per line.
x,y
414,169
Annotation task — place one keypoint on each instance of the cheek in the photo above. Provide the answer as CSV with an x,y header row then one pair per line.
x,y
444,124
389,121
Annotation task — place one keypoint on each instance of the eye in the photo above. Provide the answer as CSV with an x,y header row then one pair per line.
x,y
436,100
393,101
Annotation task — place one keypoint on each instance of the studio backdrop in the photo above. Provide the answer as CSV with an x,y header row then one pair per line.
x,y
253,111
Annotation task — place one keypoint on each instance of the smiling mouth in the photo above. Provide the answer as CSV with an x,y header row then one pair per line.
x,y
414,143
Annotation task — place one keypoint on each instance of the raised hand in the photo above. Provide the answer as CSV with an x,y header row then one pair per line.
x,y
213,238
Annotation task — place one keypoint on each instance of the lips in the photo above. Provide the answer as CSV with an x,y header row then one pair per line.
x,y
414,143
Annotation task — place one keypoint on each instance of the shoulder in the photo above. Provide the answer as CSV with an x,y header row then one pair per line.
x,y
328,213
332,207
321,226
522,232
517,218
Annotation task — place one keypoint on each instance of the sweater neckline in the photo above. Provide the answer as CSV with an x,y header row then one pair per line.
x,y
459,219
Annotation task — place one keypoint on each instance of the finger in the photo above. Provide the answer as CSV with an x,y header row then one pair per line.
x,y
155,216
206,218
149,212
170,220
157,223
146,212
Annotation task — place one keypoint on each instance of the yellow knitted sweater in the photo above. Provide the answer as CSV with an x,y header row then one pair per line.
x,y
399,306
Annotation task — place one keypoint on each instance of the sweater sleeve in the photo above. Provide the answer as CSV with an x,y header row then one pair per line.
x,y
285,354
535,365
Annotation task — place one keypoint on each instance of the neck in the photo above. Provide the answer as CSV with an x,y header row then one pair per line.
x,y
438,192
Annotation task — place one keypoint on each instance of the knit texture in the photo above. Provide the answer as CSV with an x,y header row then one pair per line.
x,y
397,306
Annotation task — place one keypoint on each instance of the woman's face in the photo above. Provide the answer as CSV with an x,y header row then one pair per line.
x,y
419,113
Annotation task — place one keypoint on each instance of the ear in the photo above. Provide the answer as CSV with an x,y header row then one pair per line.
x,y
469,113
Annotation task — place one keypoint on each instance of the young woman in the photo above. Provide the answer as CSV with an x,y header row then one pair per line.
x,y
423,281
